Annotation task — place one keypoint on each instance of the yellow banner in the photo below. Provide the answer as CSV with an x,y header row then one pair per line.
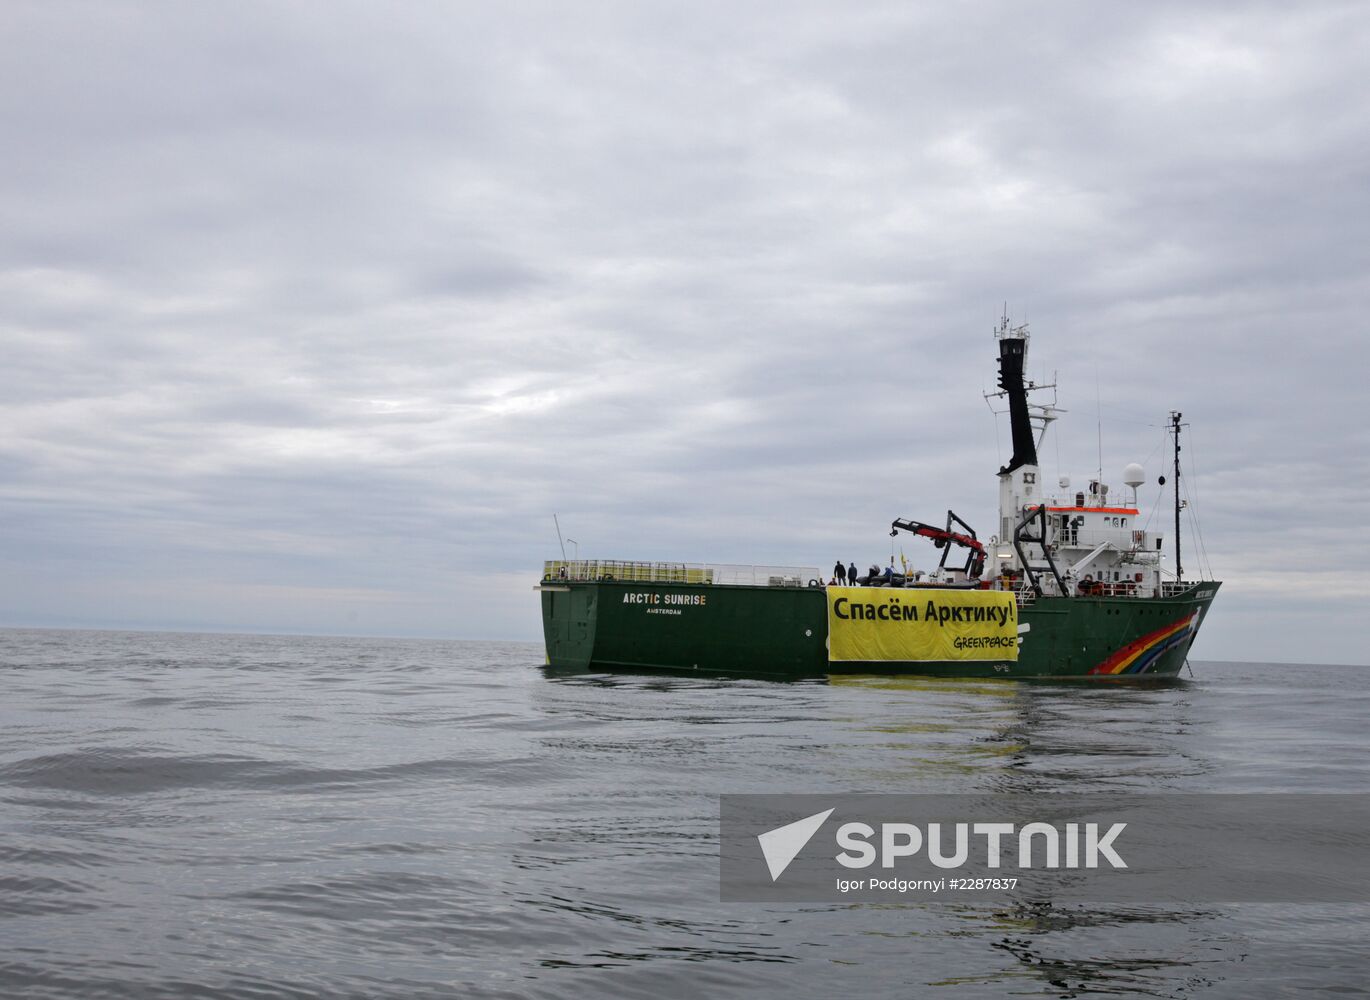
x,y
884,623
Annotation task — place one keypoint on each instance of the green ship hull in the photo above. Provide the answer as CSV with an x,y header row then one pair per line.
x,y
782,632
1068,586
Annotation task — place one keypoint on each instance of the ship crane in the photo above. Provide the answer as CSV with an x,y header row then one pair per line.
x,y
945,538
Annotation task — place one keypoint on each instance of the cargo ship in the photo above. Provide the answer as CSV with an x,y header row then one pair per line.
x,y
1070,585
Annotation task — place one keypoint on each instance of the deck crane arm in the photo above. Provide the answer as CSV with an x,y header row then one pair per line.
x,y
944,538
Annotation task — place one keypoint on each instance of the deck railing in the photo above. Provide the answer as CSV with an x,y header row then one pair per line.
x,y
721,574
1170,588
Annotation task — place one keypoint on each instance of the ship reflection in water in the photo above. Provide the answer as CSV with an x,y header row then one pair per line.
x,y
899,734
1027,738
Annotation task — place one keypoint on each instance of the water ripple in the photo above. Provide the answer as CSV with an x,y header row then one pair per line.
x,y
236,817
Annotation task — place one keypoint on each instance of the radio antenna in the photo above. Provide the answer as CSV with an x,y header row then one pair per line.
x,y
560,540
1099,421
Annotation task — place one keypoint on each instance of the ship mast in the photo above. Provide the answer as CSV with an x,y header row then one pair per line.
x,y
1175,426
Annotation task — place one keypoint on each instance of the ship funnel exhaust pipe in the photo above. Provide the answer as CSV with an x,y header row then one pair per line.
x,y
1012,358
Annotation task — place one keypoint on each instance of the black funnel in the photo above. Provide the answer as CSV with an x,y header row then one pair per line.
x,y
1012,355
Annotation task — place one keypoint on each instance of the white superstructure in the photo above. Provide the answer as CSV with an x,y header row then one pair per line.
x,y
1063,541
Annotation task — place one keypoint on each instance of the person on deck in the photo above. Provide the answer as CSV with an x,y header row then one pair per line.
x,y
839,574
851,574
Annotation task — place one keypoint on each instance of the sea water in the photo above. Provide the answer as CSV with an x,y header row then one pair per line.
x,y
235,816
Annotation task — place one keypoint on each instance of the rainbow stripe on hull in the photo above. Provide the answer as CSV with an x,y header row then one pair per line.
x,y
1139,656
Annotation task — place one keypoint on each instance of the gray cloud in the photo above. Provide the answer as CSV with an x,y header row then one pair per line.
x,y
312,317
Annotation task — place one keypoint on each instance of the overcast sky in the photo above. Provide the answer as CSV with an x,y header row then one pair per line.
x,y
313,314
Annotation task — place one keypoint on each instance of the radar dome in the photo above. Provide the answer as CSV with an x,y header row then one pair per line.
x,y
1133,475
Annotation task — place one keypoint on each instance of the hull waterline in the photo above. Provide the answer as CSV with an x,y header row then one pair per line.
x,y
783,632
